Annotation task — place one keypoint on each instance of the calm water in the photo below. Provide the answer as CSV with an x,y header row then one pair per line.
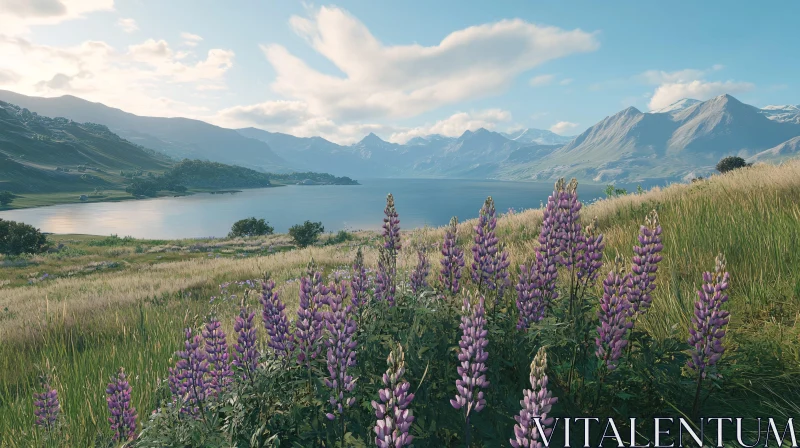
x,y
418,201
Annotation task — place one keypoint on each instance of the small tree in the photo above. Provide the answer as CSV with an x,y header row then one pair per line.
x,y
6,197
18,238
250,227
731,163
307,233
611,191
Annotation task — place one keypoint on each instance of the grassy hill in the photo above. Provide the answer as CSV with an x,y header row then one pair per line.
x,y
107,303
52,160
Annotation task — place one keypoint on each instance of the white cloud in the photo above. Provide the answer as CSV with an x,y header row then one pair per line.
x,y
136,80
455,125
542,80
127,25
566,81
688,83
191,40
669,93
383,81
17,16
563,128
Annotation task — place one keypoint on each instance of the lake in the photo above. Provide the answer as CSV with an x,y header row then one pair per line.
x,y
419,202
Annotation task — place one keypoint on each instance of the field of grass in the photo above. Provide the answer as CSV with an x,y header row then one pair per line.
x,y
107,303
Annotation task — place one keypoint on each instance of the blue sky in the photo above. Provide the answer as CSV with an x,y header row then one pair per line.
x,y
399,69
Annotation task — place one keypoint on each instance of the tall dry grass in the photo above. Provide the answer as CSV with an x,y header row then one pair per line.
x,y
87,327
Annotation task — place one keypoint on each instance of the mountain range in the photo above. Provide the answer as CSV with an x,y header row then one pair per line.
x,y
683,140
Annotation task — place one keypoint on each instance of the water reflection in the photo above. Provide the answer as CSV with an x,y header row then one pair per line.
x,y
419,202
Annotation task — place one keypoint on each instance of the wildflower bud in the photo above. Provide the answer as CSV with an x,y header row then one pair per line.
x,y
246,356
709,320
275,321
452,259
472,357
613,314
536,404
123,415
394,417
419,276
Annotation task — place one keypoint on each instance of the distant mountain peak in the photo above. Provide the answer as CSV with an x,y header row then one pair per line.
x,y
371,138
679,105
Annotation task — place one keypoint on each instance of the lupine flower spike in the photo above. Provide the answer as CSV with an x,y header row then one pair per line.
x,y
484,249
419,276
536,406
536,287
246,356
385,287
472,357
46,405
394,417
218,357
613,314
308,326
452,259
391,227
275,321
341,346
708,324
569,232
359,282
123,415
589,261
644,266
188,380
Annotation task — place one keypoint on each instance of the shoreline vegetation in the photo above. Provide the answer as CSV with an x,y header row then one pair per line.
x,y
96,303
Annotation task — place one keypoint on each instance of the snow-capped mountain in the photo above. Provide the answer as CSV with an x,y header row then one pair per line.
x,y
785,114
537,136
677,106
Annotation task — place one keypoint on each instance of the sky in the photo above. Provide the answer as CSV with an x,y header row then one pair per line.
x,y
399,69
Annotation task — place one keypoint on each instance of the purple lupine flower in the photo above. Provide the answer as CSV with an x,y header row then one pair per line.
x,y
216,346
452,259
394,417
536,404
501,280
644,265
246,356
484,250
123,415
589,262
188,379
46,406
472,356
308,326
569,235
530,303
419,276
391,227
709,320
613,315
385,287
275,320
359,281
341,350
536,287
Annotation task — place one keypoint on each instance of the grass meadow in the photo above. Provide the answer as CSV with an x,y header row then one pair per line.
x,y
102,302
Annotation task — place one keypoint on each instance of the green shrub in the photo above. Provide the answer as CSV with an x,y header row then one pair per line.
x,y
340,237
18,238
112,240
250,227
6,197
307,233
731,163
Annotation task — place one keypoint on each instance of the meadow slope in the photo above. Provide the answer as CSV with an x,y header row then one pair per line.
x,y
124,303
